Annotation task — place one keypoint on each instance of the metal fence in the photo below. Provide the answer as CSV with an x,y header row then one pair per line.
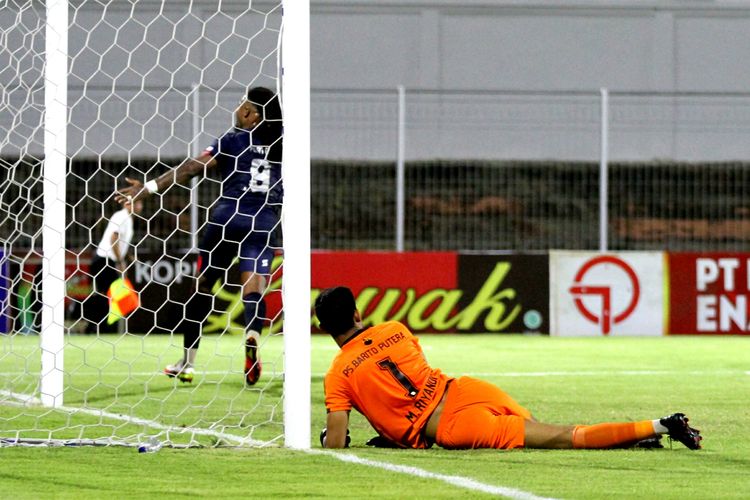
x,y
514,170
481,171
532,205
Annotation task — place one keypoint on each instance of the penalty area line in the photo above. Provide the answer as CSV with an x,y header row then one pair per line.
x,y
458,481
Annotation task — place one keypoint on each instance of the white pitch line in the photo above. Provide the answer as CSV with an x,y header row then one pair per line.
x,y
156,425
22,398
237,440
459,481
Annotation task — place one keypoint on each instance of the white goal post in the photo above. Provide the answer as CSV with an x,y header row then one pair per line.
x,y
130,90
53,232
296,221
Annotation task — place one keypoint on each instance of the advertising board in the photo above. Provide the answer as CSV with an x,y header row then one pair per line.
x,y
431,292
708,293
442,292
618,294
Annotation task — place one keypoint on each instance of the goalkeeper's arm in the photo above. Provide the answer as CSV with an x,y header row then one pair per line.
x,y
337,425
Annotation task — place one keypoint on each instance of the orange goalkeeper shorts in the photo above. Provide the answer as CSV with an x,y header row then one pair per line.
x,y
478,414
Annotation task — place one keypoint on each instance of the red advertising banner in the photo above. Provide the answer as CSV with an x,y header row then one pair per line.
x,y
406,287
430,292
708,293
442,292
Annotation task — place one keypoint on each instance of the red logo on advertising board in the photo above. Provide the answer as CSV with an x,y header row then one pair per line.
x,y
605,316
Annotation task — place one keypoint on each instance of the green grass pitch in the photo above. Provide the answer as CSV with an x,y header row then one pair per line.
x,y
561,380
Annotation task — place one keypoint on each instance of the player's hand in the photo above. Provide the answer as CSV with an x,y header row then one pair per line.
x,y
129,194
323,438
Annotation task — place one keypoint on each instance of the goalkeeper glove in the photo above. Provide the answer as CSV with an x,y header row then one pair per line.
x,y
381,442
323,438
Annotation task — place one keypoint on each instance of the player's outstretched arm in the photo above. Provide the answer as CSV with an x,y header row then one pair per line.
x,y
337,425
136,190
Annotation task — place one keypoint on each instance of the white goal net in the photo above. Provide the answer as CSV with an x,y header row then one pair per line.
x,y
93,94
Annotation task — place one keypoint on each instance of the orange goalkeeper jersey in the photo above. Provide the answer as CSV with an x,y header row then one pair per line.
x,y
382,373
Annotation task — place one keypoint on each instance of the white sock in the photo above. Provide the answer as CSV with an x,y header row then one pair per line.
x,y
253,334
190,355
658,427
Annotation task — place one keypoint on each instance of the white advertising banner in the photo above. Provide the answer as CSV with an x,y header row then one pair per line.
x,y
615,294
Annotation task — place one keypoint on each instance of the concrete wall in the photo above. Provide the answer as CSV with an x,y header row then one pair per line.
x,y
559,48
546,45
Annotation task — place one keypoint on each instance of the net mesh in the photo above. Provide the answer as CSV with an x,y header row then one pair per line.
x,y
149,84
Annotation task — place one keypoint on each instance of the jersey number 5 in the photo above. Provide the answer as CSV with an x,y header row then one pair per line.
x,y
401,378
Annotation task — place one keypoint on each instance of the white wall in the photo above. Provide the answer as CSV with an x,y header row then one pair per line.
x,y
548,46
582,45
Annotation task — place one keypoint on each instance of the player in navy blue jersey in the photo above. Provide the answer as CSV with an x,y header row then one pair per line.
x,y
241,223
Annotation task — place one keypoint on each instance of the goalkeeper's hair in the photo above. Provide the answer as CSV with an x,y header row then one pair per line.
x,y
271,128
335,308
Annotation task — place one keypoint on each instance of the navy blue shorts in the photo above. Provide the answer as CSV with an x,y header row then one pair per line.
x,y
229,234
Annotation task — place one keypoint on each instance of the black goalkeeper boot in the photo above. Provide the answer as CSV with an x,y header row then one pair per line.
x,y
679,430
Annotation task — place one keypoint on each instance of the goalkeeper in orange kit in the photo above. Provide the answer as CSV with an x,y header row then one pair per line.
x,y
381,371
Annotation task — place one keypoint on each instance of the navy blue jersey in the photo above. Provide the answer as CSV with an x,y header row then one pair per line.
x,y
249,179
245,218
